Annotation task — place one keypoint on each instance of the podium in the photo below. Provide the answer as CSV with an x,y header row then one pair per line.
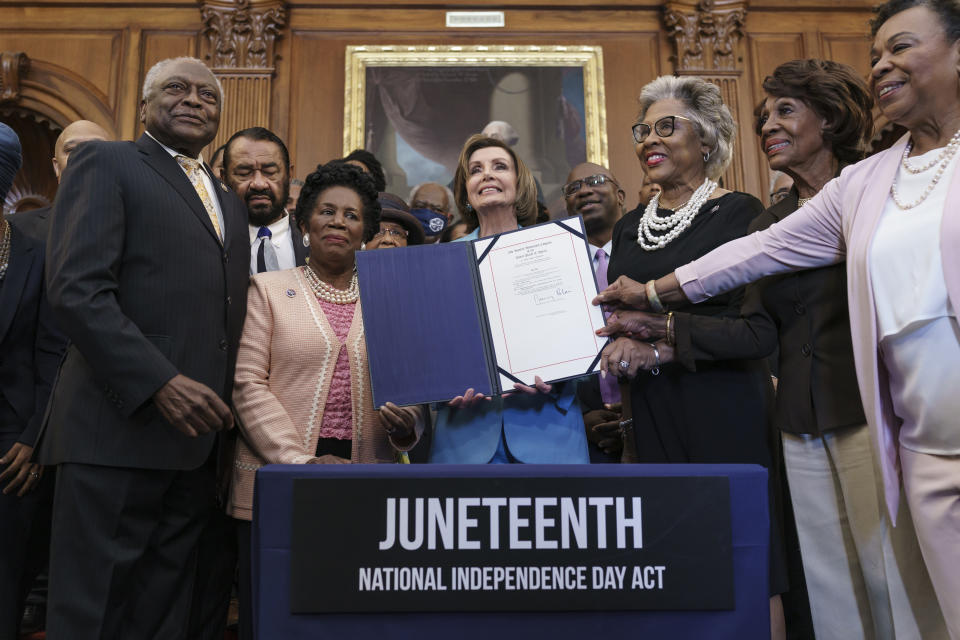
x,y
277,568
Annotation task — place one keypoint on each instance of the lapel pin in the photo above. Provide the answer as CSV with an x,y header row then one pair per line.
x,y
224,187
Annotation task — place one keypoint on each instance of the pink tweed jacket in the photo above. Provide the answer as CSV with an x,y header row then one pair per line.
x,y
284,367
839,223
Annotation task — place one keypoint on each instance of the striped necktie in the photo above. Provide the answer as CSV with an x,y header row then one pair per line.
x,y
609,388
193,170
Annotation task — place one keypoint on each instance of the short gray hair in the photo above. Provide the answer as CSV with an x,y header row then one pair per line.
x,y
503,131
153,76
706,109
453,203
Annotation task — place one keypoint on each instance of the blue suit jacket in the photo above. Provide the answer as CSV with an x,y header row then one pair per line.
x,y
539,429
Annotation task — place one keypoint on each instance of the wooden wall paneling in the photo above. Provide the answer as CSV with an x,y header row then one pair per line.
x,y
91,57
852,49
769,50
128,113
316,99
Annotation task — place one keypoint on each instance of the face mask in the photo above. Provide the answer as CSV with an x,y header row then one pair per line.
x,y
433,222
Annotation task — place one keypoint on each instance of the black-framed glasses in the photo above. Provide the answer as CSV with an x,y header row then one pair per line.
x,y
664,128
591,181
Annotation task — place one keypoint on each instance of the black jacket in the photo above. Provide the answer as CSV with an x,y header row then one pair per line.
x,y
143,288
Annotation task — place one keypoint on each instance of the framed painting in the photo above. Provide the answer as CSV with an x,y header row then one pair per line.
x,y
414,106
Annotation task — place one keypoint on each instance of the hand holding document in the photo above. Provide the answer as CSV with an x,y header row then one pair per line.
x,y
485,315
537,287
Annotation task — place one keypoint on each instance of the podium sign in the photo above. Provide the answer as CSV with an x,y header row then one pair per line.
x,y
511,544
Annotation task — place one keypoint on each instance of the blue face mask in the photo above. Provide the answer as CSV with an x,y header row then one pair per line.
x,y
433,222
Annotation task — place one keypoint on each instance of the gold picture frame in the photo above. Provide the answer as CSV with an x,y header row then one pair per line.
x,y
449,68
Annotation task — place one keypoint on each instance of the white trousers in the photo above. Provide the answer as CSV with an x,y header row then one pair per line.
x,y
932,485
865,579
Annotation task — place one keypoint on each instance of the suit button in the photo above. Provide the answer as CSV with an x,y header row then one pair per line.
x,y
805,349
229,300
226,257
223,345
800,309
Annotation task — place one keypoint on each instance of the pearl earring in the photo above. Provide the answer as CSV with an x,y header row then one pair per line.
x,y
306,240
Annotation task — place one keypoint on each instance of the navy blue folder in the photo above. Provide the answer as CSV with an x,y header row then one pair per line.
x,y
425,323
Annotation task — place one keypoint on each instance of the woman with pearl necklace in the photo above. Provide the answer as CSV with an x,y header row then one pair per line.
x,y
706,412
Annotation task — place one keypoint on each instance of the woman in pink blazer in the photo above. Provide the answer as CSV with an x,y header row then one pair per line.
x,y
895,219
302,387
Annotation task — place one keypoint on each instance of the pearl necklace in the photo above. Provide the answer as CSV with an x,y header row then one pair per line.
x,y
328,292
949,149
673,225
942,162
5,247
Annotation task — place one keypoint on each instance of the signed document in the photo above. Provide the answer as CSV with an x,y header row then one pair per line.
x,y
537,286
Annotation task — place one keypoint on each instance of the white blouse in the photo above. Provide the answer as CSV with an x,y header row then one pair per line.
x,y
917,326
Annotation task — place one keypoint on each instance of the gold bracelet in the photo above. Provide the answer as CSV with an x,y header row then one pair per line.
x,y
653,298
669,331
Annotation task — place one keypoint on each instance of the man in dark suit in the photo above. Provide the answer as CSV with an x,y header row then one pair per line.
x,y
30,349
592,191
256,164
147,276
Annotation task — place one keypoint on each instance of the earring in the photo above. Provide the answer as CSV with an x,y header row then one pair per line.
x,y
469,207
706,157
306,240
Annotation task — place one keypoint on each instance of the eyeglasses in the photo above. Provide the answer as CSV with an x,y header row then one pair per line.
x,y
591,181
400,233
664,128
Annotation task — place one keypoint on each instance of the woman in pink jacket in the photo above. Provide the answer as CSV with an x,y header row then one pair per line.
x,y
895,219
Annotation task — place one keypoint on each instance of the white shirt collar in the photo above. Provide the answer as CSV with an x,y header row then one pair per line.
x,y
607,248
279,229
173,152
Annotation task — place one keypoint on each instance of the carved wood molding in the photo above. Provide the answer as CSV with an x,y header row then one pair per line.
x,y
241,34
13,66
705,34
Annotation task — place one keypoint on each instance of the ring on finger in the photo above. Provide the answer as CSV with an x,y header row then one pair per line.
x,y
624,364
34,474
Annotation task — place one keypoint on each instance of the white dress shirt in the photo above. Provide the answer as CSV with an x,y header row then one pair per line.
x,y
918,330
282,241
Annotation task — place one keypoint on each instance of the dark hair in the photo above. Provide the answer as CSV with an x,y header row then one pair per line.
x,y
836,93
947,10
218,152
526,199
339,174
257,133
372,164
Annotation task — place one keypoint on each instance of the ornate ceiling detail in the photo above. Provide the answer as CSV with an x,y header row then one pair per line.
x,y
241,34
13,66
705,34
